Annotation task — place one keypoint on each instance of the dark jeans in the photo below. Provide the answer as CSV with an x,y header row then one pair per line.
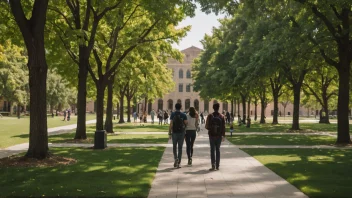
x,y
215,143
177,140
190,137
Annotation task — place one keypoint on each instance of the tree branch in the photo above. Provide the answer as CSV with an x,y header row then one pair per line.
x,y
61,14
89,67
99,63
335,11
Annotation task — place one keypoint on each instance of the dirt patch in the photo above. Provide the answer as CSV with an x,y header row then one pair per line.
x,y
20,161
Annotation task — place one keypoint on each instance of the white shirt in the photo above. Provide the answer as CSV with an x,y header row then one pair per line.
x,y
191,123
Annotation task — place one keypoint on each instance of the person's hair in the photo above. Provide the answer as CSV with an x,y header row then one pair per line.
x,y
178,106
192,112
216,106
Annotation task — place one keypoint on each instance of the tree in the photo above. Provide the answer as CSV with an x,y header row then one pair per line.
x,y
33,35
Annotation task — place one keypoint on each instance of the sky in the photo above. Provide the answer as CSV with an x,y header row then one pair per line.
x,y
201,24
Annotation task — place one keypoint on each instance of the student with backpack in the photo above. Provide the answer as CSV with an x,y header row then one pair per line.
x,y
178,123
193,122
215,125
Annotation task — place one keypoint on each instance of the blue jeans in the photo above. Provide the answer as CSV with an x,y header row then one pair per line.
x,y
215,143
190,137
177,139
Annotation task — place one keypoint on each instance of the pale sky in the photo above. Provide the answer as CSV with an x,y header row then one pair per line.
x,y
201,24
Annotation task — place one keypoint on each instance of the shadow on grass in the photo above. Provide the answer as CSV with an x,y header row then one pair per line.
x,y
281,140
114,172
317,173
124,138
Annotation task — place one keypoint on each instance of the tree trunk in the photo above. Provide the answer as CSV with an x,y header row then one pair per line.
x,y
244,108
82,94
100,105
18,111
108,120
33,34
263,106
276,107
121,109
343,135
238,107
296,102
232,107
255,109
129,109
249,108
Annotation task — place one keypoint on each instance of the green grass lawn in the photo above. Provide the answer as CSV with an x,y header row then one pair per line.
x,y
137,127
281,140
307,127
317,173
113,172
15,131
121,138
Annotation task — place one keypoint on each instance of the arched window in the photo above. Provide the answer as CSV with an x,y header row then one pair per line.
x,y
180,73
187,104
225,106
206,105
196,104
160,104
180,87
188,88
188,74
170,104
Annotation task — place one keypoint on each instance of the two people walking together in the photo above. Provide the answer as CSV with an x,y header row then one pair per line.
x,y
183,128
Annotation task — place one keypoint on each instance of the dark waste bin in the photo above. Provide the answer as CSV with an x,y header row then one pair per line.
x,y
100,139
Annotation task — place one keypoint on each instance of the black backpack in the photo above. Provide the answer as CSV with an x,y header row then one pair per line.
x,y
215,125
177,123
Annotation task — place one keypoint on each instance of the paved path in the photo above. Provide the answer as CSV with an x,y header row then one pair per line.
x,y
240,175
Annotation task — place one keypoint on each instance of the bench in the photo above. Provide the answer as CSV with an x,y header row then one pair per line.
x,y
4,113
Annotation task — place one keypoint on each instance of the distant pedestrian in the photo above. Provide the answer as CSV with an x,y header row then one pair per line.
x,y
178,123
160,117
202,118
69,115
166,117
190,136
64,115
152,114
135,116
231,128
216,130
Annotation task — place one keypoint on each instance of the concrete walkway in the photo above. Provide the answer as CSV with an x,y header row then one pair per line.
x,y
240,175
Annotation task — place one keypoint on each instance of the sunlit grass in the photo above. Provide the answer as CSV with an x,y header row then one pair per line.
x,y
114,172
281,140
16,131
316,172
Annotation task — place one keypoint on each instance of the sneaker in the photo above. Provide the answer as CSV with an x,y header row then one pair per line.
x,y
217,168
212,168
176,164
189,162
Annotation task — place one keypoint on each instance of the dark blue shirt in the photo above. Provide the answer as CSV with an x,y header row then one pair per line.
x,y
182,115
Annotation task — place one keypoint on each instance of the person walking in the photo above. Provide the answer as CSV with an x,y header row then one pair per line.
x,y
178,123
202,118
215,125
152,114
135,116
166,116
160,116
193,122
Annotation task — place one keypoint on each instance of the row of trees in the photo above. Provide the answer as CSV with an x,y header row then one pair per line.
x,y
267,48
116,42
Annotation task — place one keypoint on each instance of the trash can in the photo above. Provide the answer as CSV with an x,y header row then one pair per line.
x,y
100,139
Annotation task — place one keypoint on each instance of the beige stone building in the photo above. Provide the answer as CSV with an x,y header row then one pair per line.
x,y
183,92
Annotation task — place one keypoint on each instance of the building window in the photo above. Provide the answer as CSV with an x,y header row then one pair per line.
x,y
179,101
170,104
206,105
180,87
160,104
196,104
180,73
225,106
188,88
187,104
188,74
